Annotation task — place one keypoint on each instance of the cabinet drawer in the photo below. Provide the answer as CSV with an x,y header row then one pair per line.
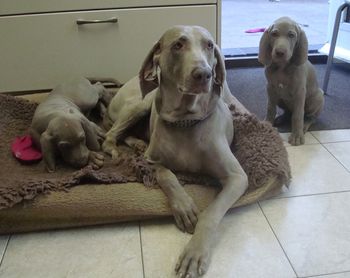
x,y
40,51
8,7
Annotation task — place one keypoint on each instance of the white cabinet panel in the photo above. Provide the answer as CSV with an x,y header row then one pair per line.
x,y
40,51
35,6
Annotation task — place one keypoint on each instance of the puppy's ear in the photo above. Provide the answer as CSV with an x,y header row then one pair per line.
x,y
219,70
300,52
47,144
148,72
265,48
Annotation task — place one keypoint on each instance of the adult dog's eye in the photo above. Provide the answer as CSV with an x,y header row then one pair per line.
x,y
210,45
291,35
178,46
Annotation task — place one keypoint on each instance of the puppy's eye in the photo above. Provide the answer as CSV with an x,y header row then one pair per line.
x,y
210,45
178,46
274,34
291,35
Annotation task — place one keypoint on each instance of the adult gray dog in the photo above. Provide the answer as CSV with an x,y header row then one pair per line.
x,y
60,126
291,78
191,129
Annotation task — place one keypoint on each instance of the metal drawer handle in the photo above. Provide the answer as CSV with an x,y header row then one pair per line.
x,y
109,20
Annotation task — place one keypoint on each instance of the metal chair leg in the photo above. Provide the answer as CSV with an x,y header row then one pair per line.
x,y
332,46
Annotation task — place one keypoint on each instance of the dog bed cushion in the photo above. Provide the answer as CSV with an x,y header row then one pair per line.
x,y
32,199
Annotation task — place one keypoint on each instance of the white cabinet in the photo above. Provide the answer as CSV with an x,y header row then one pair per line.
x,y
40,50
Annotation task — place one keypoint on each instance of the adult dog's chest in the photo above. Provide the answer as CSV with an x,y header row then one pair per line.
x,y
190,149
179,148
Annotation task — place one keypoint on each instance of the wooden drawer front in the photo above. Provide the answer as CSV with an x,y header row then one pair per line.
x,y
8,7
40,51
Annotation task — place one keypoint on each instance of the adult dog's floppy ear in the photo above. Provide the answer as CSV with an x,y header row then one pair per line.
x,y
300,52
148,72
219,70
265,48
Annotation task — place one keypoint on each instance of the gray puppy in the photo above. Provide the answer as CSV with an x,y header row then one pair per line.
x,y
60,126
291,78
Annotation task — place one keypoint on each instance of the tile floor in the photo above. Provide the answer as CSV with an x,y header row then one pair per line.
x,y
304,232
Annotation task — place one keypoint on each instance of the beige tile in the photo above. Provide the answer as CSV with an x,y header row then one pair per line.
x,y
315,170
3,243
341,151
329,136
313,230
110,251
246,247
309,139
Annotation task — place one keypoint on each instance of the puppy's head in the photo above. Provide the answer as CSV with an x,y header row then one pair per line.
x,y
187,58
69,136
283,42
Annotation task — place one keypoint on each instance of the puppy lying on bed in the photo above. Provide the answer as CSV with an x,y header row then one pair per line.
x,y
60,127
191,129
291,79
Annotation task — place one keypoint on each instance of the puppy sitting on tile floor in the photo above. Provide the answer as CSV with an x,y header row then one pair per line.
x,y
291,78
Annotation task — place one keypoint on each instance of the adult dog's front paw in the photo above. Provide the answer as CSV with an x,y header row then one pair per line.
x,y
296,139
185,212
110,148
194,260
96,160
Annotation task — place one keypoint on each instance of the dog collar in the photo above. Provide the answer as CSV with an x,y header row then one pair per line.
x,y
183,123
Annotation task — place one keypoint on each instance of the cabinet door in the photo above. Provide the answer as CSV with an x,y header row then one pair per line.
x,y
40,51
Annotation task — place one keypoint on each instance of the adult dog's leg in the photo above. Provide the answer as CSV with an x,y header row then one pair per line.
x,y
182,205
194,260
127,119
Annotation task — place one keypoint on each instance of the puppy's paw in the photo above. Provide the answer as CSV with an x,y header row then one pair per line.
x,y
96,160
296,139
185,212
101,135
194,260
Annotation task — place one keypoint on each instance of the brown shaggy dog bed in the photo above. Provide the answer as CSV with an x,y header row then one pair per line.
x,y
116,193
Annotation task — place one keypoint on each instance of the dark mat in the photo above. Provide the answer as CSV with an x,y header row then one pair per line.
x,y
248,85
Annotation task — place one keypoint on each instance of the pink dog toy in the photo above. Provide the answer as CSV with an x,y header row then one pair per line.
x,y
255,30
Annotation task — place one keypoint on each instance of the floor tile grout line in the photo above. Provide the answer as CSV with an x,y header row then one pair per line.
x,y
311,194
285,253
348,170
325,274
335,142
332,142
306,144
142,260
315,137
4,253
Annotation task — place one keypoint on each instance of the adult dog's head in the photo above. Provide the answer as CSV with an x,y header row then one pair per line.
x,y
283,42
188,60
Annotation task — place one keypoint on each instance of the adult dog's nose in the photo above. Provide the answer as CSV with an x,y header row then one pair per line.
x,y
201,75
280,52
